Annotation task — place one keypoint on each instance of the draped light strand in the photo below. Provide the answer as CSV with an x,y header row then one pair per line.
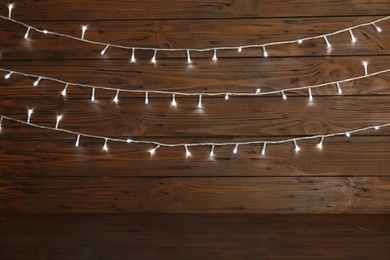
x,y
213,145
174,94
214,50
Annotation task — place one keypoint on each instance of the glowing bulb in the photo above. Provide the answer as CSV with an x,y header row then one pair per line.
x,y
265,53
58,120
154,57
27,32
188,153
215,55
83,29
10,7
212,151
235,149
327,42
1,121
188,57
310,95
77,141
319,145
258,91
284,96
377,27
240,49
300,41
146,98
63,92
37,82
263,151
133,55
339,88
348,134
365,64
226,96
104,50
129,141
29,113
173,103
153,151
45,31
93,94
353,39
376,127
116,98
297,148
105,147
8,75
200,101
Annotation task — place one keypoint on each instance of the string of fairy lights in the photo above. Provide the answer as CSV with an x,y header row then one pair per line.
x,y
187,146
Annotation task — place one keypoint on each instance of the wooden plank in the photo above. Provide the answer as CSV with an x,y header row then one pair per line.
x,y
226,75
188,9
48,156
354,195
208,34
218,117
168,236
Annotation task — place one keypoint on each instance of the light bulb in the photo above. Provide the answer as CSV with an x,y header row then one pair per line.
x,y
77,141
240,49
29,113
153,151
173,103
226,96
258,91
353,39
8,75
188,153
310,95
319,145
339,88
215,55
146,98
235,149
104,50
365,64
284,96
63,92
265,53
327,42
188,57
154,57
300,41
297,148
58,120
10,7
116,98
376,127
83,29
263,151
37,82
45,31
133,55
348,134
27,32
200,101
377,27
212,151
105,147
129,141
93,94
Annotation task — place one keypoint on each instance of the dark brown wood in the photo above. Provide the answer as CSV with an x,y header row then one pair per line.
x,y
122,236
196,195
155,9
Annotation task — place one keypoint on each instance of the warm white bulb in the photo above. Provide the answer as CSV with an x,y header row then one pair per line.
x,y
93,94
133,55
258,91
27,32
319,145
37,82
310,95
154,57
8,75
377,27
104,50
215,55
200,101
116,98
10,7
284,96
327,42
129,141
212,151
146,98
63,92
265,53
353,39
348,134
45,31
263,151
105,147
226,96
188,57
365,64
235,149
376,127
297,148
188,153
240,49
173,103
153,151
77,141
29,113
58,120
83,28
299,41
339,88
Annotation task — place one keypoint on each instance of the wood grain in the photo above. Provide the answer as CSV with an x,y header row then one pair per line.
x,y
178,236
155,9
196,195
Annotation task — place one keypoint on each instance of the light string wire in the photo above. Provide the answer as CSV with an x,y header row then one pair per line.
x,y
175,93
106,45
187,145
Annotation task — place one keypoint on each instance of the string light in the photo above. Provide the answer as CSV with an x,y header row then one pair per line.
x,y
235,150
1,121
132,55
29,113
200,101
104,50
27,32
339,88
212,150
153,151
173,103
353,39
158,144
328,45
116,98
63,92
77,141
319,145
297,148
7,76
347,134
93,94
215,55
239,49
265,53
188,153
10,7
146,98
188,57
365,64
58,121
310,95
256,93
377,27
264,146
37,82
105,147
154,57
83,29
372,23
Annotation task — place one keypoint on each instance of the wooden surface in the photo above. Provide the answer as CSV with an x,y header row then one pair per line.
x,y
177,236
41,171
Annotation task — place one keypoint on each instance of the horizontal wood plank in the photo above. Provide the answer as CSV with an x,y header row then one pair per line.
x,y
152,9
168,236
358,195
196,34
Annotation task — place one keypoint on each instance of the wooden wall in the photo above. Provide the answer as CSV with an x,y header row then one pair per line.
x,y
41,171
